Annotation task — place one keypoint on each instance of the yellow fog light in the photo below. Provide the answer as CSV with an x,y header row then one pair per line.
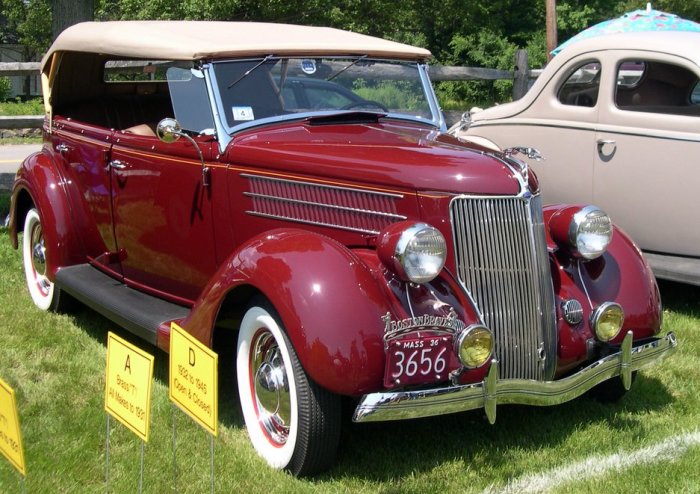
x,y
474,346
607,321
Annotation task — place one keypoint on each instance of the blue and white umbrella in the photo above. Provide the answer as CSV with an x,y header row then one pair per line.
x,y
639,20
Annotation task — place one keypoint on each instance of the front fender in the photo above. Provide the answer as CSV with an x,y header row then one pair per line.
x,y
328,301
620,275
40,183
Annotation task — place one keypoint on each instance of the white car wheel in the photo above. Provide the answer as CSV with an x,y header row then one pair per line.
x,y
292,422
40,287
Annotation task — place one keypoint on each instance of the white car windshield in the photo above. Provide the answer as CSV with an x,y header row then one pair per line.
x,y
257,90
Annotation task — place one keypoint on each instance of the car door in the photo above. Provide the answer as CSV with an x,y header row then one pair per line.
x,y
645,169
163,221
84,149
559,122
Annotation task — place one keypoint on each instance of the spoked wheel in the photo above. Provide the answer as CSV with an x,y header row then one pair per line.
x,y
292,422
44,294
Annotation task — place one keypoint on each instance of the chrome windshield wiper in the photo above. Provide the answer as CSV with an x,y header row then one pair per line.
x,y
249,71
333,76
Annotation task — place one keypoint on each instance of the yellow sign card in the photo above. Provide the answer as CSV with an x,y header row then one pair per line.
x,y
128,385
10,437
194,378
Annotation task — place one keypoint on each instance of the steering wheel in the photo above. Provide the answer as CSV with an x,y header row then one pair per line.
x,y
364,104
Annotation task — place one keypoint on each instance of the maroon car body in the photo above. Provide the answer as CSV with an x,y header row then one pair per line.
x,y
353,252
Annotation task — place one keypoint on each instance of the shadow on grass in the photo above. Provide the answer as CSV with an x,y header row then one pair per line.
x,y
391,450
680,297
96,327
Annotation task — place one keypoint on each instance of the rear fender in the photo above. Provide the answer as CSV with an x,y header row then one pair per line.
x,y
327,298
40,184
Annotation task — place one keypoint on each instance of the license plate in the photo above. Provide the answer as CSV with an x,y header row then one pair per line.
x,y
416,360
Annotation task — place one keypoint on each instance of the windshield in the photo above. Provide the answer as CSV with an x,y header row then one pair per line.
x,y
252,90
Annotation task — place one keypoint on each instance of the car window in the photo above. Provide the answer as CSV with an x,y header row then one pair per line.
x,y
257,89
581,87
188,92
657,87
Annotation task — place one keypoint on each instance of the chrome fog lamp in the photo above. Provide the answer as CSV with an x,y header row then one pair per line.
x,y
590,232
607,321
416,252
474,346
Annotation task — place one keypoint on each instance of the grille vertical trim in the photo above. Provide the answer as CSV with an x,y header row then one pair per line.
x,y
502,261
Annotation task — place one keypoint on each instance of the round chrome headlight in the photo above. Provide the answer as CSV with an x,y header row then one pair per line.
x,y
416,252
590,232
607,321
474,346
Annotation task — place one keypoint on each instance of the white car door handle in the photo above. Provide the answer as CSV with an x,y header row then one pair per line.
x,y
606,147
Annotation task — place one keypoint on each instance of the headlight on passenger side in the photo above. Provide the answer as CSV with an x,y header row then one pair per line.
x,y
607,321
474,346
584,231
590,232
416,252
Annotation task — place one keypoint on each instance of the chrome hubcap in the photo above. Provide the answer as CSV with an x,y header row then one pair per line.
x,y
38,255
272,398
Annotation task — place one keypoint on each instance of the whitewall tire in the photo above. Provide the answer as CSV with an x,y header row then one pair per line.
x,y
292,422
44,293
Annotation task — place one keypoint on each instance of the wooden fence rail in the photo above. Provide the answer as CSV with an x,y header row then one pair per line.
x,y
520,77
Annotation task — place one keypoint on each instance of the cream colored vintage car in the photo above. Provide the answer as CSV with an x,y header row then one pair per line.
x,y
617,120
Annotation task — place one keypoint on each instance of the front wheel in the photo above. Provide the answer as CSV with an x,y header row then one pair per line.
x,y
293,423
44,293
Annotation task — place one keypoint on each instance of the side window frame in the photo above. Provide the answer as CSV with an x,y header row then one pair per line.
x,y
585,93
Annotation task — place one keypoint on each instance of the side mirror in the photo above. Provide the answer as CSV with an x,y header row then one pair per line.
x,y
169,130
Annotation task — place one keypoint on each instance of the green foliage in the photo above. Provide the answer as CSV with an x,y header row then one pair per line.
x,y
5,88
28,23
458,32
30,107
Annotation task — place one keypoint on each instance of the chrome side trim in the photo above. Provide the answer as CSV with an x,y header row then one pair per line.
x,y
345,208
492,391
396,217
324,186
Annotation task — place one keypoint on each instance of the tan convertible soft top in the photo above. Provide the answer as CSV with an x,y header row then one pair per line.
x,y
195,40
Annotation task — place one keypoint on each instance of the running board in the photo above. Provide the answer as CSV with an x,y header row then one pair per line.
x,y
136,311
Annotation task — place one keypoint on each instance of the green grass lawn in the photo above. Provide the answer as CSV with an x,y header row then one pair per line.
x,y
56,364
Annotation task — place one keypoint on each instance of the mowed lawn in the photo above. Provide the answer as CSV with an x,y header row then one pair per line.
x,y
649,442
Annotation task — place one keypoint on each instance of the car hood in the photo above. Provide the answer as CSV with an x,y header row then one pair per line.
x,y
384,154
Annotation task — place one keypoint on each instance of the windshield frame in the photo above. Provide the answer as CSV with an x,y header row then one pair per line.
x,y
225,130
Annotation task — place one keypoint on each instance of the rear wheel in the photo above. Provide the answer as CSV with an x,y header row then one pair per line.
x,y
44,293
293,423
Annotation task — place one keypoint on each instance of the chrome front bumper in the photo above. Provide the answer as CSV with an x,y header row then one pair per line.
x,y
491,391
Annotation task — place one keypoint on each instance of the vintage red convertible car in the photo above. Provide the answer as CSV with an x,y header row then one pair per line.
x,y
347,247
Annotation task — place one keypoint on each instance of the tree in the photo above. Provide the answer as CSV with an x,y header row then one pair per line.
x,y
65,13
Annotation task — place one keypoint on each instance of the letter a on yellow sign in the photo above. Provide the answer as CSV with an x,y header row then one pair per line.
x,y
194,378
10,437
128,385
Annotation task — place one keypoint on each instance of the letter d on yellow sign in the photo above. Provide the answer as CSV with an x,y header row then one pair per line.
x,y
194,378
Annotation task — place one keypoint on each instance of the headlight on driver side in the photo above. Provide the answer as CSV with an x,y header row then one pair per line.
x,y
416,252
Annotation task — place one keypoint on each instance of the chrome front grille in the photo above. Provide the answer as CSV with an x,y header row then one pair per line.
x,y
502,261
357,210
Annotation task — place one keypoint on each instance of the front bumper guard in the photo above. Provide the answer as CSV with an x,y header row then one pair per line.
x,y
491,391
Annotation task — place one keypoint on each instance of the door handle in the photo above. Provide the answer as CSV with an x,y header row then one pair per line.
x,y
62,148
606,148
118,165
